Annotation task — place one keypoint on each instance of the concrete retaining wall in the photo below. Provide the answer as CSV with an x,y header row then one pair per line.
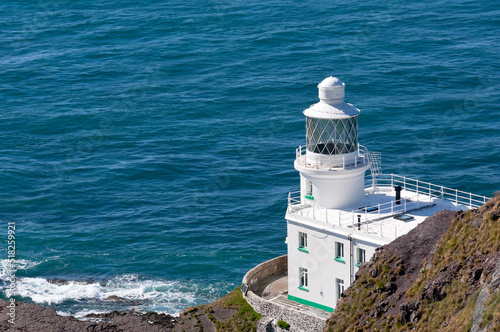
x,y
299,320
275,266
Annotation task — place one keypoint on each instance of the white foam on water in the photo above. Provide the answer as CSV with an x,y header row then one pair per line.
x,y
152,295
142,294
20,264
42,291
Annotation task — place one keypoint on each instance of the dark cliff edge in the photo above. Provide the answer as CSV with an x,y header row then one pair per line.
x,y
444,275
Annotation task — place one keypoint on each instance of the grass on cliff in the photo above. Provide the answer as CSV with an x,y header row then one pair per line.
x,y
244,320
467,247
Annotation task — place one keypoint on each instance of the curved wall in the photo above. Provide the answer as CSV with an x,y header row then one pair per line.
x,y
298,320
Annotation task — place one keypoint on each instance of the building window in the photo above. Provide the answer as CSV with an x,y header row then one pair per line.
x,y
303,241
309,190
303,278
340,288
361,256
332,136
339,251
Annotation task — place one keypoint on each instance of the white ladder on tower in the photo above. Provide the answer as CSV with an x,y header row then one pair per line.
x,y
375,160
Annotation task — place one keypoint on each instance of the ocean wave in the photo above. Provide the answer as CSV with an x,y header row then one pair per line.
x,y
123,292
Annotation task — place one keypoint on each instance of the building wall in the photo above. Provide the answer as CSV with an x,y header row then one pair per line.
x,y
324,270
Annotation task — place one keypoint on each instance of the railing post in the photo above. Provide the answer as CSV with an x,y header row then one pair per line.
x,y
456,196
418,200
430,196
404,183
470,200
392,180
392,207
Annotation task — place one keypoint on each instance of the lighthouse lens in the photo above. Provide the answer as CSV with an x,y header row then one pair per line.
x,y
332,136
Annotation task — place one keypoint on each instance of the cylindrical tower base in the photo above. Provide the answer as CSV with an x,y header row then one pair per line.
x,y
335,188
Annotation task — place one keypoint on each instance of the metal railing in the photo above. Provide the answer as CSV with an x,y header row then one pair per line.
x,y
429,190
331,163
417,194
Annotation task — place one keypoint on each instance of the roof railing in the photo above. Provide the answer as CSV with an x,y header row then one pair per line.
x,y
338,164
418,194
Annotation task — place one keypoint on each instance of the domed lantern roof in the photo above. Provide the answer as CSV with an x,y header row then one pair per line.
x,y
331,93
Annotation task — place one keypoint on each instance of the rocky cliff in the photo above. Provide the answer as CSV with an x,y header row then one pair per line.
x,y
444,275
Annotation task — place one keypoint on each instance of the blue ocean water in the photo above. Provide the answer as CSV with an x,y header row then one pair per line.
x,y
147,147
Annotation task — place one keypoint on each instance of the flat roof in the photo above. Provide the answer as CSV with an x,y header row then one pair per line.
x,y
381,219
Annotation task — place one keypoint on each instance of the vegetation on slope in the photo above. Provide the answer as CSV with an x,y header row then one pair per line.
x,y
427,282
245,318
229,313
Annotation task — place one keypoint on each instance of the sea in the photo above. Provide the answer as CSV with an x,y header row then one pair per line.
x,y
147,147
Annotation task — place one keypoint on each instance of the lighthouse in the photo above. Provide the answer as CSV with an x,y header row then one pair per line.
x,y
339,217
344,210
333,166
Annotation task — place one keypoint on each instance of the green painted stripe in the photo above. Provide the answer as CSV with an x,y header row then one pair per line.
x,y
310,303
338,259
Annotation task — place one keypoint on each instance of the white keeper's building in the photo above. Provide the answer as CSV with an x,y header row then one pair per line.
x,y
346,208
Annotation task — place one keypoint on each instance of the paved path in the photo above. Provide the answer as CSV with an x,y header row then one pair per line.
x,y
275,289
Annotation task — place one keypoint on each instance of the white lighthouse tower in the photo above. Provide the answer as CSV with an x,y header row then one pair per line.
x,y
332,169
339,217
336,221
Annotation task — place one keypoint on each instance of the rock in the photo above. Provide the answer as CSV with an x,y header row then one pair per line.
x,y
381,308
414,316
374,272
409,312
477,274
119,299
390,287
59,282
162,320
115,298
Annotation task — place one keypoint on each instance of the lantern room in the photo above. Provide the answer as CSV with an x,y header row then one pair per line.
x,y
332,169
